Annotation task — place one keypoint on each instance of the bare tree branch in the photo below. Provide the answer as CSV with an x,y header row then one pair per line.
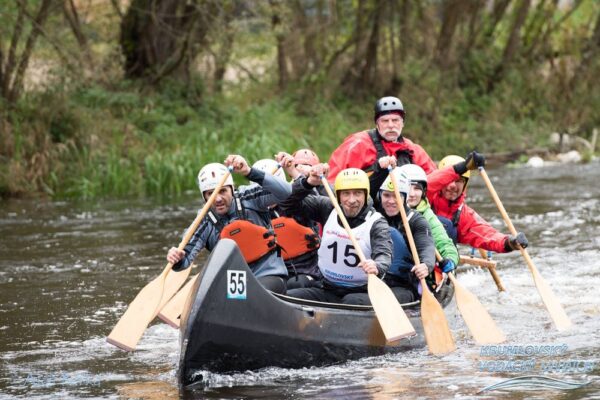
x,y
117,8
39,20
512,44
11,61
72,17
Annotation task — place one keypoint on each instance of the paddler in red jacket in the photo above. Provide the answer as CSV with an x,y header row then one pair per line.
x,y
375,149
447,190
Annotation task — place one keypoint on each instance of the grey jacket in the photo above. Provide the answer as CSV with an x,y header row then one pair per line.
x,y
255,200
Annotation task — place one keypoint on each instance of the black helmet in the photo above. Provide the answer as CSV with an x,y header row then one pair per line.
x,y
388,104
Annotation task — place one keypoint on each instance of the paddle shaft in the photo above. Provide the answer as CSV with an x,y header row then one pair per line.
x,y
437,333
481,262
393,320
411,241
342,218
142,310
554,307
276,169
507,220
439,257
192,229
409,236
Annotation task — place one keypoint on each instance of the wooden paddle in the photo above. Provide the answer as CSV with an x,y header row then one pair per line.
x,y
171,312
392,318
142,310
480,262
437,333
478,320
560,318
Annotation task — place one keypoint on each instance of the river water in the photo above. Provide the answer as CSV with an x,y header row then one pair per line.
x,y
68,271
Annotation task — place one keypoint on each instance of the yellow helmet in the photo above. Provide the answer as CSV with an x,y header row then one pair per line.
x,y
453,160
352,178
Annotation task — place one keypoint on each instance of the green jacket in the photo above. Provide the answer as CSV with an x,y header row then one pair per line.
x,y
442,241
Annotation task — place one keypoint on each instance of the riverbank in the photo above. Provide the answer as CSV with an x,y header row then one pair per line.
x,y
92,142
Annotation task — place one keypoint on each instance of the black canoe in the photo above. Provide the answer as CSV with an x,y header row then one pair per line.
x,y
231,323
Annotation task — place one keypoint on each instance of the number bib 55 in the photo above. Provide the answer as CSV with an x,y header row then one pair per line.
x,y
236,285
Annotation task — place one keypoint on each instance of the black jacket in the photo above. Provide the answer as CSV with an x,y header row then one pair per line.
x,y
304,203
421,233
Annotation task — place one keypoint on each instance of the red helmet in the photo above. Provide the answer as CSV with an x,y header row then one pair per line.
x,y
305,156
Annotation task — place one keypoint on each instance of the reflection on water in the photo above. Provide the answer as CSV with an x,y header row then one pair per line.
x,y
68,271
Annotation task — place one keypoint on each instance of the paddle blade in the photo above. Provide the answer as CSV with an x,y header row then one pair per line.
x,y
392,318
437,333
142,310
560,318
172,310
478,320
130,328
172,284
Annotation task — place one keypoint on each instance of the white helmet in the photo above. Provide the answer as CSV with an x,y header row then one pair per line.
x,y
415,174
211,174
402,182
268,165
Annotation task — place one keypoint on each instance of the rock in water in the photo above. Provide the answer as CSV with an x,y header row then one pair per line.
x,y
535,162
572,156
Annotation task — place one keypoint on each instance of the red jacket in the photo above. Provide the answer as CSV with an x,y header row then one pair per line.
x,y
472,228
358,151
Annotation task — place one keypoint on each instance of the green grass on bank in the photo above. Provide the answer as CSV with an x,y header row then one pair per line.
x,y
94,142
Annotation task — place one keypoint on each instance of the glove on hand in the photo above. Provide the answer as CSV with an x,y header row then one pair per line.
x,y
461,167
447,265
475,160
515,241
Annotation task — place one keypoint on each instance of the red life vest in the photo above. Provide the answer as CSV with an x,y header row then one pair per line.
x,y
294,239
254,241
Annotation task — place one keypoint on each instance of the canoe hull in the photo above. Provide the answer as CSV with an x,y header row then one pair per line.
x,y
222,333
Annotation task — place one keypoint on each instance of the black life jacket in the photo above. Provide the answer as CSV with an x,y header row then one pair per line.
x,y
402,156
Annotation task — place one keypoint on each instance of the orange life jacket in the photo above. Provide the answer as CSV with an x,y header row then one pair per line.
x,y
294,238
254,241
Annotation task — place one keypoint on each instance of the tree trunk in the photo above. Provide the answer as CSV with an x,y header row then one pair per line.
x,y
17,82
405,32
222,58
276,26
590,52
475,26
11,60
369,69
500,8
512,44
452,12
156,36
72,17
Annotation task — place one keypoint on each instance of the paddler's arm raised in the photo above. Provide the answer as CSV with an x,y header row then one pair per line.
x,y
275,190
304,202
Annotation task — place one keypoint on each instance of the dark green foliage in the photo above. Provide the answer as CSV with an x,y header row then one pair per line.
x,y
81,129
